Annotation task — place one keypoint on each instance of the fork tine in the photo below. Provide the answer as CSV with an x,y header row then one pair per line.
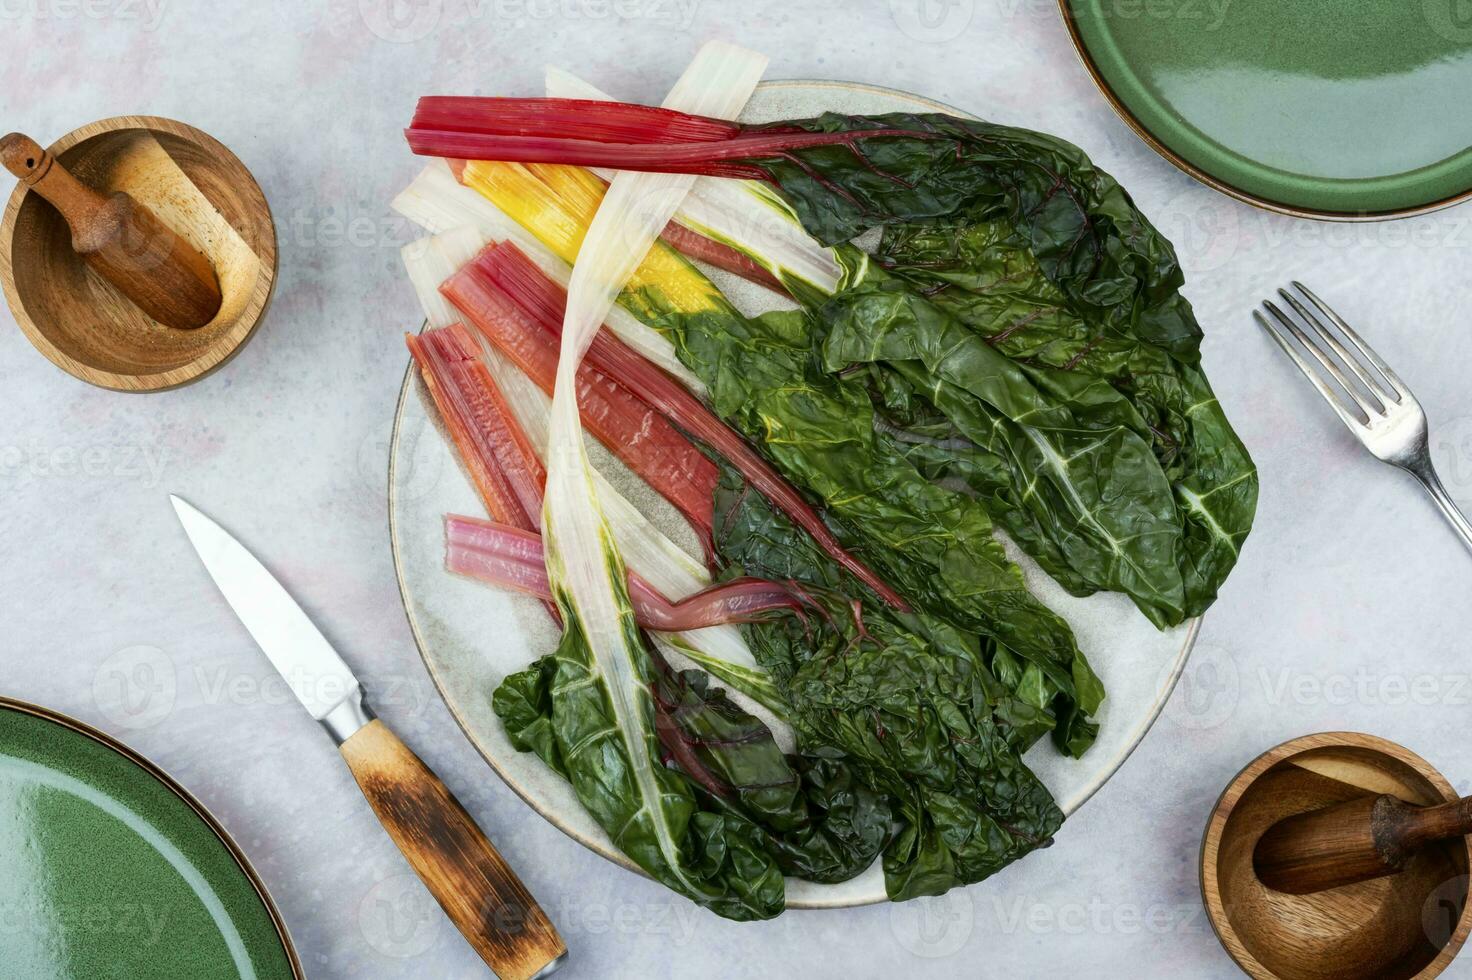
x,y
1374,387
1375,359
1370,411
1355,424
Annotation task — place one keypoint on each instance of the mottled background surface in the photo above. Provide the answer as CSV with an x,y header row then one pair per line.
x,y
1349,609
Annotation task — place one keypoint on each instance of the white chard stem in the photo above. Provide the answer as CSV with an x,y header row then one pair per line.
x,y
584,566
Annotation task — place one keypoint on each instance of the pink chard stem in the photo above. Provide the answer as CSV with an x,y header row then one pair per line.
x,y
608,134
544,301
512,558
643,439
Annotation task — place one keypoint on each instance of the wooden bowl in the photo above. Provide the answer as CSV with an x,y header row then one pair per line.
x,y
84,325
1410,925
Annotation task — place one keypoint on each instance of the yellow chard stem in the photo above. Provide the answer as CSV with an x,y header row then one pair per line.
x,y
556,204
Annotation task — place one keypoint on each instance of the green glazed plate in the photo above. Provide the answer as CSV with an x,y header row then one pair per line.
x,y
1323,108
110,869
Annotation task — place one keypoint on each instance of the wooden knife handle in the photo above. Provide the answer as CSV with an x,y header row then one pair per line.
x,y
471,881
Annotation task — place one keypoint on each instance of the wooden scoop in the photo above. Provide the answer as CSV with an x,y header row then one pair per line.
x,y
123,240
1365,838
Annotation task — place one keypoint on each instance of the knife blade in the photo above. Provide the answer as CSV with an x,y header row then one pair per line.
x,y
452,856
296,648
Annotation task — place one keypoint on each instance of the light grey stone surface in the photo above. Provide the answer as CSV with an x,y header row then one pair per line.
x,y
107,616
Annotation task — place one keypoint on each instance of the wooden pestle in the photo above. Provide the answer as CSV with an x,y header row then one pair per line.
x,y
1365,838
124,241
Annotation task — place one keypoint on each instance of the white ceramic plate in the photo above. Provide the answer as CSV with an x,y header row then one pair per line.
x,y
472,636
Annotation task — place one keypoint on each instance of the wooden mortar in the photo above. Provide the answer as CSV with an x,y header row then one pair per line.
x,y
84,324
1410,925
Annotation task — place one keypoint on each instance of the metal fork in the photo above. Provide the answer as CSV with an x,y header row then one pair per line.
x,y
1380,410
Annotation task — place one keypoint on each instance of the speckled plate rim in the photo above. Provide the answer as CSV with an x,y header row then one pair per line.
x,y
1216,183
168,782
1069,806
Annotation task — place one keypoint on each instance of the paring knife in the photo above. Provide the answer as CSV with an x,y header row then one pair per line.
x,y
473,884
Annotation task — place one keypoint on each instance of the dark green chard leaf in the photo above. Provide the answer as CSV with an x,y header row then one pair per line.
x,y
558,709
1084,489
1045,259
1082,229
997,289
937,546
909,743
809,811
820,822
911,703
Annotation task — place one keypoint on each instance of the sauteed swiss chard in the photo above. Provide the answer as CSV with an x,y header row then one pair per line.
x,y
1008,352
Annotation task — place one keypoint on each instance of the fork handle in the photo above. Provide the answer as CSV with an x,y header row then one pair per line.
x,y
1426,473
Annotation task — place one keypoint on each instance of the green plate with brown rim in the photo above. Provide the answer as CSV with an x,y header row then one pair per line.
x,y
1344,109
108,868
